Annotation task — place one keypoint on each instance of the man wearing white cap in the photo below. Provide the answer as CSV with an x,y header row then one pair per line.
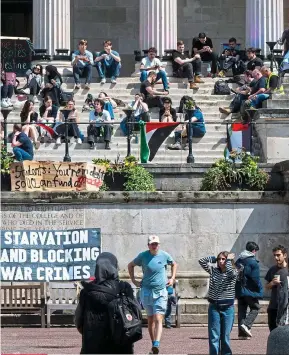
x,y
154,294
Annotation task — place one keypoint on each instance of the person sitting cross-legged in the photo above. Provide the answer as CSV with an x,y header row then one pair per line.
x,y
151,63
152,97
186,67
198,128
82,61
108,63
96,118
22,145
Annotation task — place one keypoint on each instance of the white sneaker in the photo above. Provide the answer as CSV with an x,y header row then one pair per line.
x,y
26,91
113,81
4,103
58,141
35,99
9,102
103,81
77,87
78,141
246,330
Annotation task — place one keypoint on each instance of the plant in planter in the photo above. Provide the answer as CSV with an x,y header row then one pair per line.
x,y
229,174
6,160
126,175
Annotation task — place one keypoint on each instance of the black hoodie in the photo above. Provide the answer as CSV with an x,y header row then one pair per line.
x,y
91,316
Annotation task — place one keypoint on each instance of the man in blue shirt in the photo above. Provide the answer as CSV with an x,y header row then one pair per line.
x,y
154,294
82,61
22,145
108,63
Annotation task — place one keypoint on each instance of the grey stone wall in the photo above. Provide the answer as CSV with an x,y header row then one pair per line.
x,y
190,225
219,19
286,14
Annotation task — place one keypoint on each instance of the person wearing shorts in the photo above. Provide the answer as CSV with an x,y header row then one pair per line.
x,y
153,294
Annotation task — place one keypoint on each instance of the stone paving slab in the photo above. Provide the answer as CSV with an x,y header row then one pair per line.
x,y
186,340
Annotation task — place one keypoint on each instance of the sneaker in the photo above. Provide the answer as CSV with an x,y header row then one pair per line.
x,y
198,80
113,80
78,141
193,86
58,141
246,329
107,146
221,74
4,103
87,86
76,86
175,146
36,145
103,81
35,99
26,91
225,110
155,349
168,326
91,146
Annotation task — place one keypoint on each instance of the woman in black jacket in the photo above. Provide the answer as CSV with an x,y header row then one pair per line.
x,y
91,316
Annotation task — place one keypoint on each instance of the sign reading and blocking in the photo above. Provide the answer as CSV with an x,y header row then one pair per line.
x,y
56,176
49,255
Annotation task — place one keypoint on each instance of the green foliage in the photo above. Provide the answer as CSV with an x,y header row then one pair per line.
x,y
137,177
190,104
6,160
226,173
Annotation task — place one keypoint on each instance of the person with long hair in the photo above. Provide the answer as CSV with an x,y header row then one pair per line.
x,y
221,297
167,113
35,82
28,118
109,103
91,316
49,114
53,82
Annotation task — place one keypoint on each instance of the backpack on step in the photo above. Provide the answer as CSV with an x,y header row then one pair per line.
x,y
221,88
125,317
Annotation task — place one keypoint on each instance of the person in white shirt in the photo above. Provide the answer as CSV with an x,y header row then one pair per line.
x,y
151,63
96,118
82,61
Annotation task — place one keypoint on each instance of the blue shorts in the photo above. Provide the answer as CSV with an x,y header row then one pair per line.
x,y
154,302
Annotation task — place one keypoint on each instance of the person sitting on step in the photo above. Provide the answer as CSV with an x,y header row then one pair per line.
x,y
52,82
229,59
254,61
185,67
7,90
49,114
28,118
82,61
198,129
167,113
109,104
152,97
35,82
203,46
108,63
151,63
96,118
22,146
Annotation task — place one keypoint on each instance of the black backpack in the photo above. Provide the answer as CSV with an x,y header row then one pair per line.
x,y
221,88
125,316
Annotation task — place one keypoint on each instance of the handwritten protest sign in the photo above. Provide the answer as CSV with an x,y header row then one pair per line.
x,y
16,55
56,176
49,255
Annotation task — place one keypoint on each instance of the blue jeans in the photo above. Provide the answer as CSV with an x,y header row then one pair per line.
x,y
221,320
85,72
108,71
21,154
259,99
161,75
171,301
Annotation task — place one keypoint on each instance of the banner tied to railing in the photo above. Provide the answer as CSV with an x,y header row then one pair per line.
x,y
47,255
56,176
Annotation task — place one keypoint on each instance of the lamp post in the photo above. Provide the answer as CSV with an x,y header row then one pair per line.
x,y
252,115
128,112
5,112
66,113
190,157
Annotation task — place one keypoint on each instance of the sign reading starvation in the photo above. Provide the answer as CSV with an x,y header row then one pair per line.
x,y
49,255
56,176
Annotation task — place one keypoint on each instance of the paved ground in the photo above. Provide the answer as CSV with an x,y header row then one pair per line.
x,y
187,340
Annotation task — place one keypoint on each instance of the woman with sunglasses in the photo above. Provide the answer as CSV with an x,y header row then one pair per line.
x,y
221,297
34,82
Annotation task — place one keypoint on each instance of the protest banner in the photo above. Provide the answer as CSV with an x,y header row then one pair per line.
x,y
56,176
46,255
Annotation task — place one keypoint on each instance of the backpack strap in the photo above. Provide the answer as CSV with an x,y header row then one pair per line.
x,y
107,290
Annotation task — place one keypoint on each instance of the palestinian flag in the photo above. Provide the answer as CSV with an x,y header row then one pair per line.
x,y
239,136
152,135
48,129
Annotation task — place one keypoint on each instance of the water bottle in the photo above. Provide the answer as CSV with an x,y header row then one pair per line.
x,y
209,69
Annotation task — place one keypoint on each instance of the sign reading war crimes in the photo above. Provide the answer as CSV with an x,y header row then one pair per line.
x,y
49,255
56,176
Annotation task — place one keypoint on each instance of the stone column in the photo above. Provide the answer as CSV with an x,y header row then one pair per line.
x,y
158,24
264,22
51,24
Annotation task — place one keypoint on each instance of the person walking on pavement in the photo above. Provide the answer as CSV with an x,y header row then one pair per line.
x,y
248,289
221,298
154,294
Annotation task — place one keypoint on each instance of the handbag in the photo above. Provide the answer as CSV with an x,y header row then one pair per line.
x,y
65,97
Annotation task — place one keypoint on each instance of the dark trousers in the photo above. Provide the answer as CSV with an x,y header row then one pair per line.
x,y
154,101
93,131
272,319
187,70
243,318
73,130
7,91
210,57
84,72
34,87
